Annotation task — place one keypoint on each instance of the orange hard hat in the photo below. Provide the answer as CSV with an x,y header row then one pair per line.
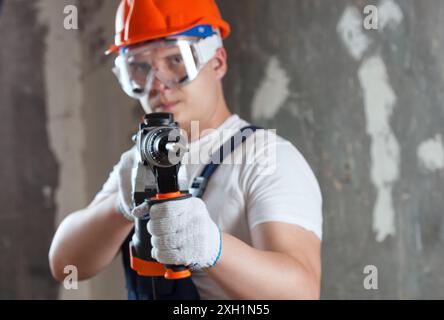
x,y
142,20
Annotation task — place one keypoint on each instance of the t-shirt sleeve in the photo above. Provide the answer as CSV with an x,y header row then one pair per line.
x,y
282,188
109,187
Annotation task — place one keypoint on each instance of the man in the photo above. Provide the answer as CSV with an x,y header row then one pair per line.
x,y
252,235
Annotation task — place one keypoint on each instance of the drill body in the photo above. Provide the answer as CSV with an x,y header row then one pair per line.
x,y
160,148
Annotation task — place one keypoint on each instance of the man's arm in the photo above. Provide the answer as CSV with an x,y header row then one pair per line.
x,y
284,263
89,239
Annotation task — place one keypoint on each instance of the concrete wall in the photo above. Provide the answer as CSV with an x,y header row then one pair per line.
x,y
28,169
364,107
64,124
100,118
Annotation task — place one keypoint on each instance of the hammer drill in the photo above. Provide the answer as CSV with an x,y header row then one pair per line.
x,y
160,149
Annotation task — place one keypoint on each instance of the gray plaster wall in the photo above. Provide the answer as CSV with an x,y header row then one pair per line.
x,y
64,124
28,168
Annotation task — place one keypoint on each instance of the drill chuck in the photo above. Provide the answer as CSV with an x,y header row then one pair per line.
x,y
161,146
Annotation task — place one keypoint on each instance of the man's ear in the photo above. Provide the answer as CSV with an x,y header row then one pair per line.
x,y
219,63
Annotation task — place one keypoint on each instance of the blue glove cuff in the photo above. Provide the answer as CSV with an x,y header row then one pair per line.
x,y
220,249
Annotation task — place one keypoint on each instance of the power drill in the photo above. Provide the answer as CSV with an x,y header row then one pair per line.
x,y
160,149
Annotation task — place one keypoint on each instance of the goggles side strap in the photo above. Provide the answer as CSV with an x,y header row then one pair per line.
x,y
206,48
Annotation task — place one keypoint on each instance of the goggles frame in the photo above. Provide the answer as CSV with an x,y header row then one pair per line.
x,y
195,54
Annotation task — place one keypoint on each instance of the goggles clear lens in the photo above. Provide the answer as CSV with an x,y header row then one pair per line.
x,y
165,63
172,62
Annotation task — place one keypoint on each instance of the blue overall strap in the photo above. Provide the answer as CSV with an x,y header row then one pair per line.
x,y
200,182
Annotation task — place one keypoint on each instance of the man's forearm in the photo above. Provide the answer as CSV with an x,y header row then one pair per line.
x,y
248,273
88,239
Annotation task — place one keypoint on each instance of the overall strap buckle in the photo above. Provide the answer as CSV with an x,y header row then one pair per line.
x,y
198,186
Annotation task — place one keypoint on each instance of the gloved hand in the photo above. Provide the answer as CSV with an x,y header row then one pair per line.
x,y
183,233
125,181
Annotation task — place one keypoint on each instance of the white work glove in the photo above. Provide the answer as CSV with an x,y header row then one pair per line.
x,y
125,183
183,233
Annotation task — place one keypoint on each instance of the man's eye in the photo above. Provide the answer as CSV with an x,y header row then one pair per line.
x,y
176,59
140,67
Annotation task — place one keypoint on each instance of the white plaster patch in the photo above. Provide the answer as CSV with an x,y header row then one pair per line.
x,y
431,154
379,101
65,128
352,34
64,106
272,92
389,14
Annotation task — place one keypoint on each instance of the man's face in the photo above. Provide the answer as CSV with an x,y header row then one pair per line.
x,y
195,101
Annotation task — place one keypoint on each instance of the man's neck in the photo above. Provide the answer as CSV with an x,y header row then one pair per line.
x,y
214,122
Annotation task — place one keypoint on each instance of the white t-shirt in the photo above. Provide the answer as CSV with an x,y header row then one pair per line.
x,y
280,186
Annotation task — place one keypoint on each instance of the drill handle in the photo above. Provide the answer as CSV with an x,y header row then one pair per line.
x,y
172,271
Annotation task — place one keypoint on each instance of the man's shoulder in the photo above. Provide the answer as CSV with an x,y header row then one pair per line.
x,y
263,131
268,140
269,154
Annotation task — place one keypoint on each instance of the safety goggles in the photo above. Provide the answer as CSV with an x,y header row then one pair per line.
x,y
173,62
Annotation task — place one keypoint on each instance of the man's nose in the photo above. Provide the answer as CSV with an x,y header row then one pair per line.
x,y
158,85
